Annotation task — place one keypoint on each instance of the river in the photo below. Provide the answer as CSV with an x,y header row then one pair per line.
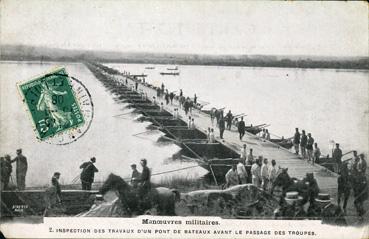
x,y
331,104
110,139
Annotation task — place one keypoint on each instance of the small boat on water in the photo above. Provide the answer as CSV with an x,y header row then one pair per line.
x,y
285,143
254,129
169,73
327,162
149,67
173,69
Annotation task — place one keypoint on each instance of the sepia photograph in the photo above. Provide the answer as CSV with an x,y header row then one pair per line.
x,y
184,119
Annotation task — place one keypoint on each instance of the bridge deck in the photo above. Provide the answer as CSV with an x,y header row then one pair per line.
x,y
284,158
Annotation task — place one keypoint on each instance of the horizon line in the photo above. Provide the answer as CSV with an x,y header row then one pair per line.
x,y
177,53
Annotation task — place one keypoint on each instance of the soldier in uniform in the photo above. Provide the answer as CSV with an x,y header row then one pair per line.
x,y
21,169
145,184
56,185
312,187
6,170
88,173
136,176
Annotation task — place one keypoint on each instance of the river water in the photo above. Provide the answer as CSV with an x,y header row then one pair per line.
x,y
331,104
110,139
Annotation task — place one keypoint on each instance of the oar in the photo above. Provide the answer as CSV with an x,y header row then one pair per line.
x,y
141,133
122,114
348,152
256,126
243,114
264,126
204,102
276,136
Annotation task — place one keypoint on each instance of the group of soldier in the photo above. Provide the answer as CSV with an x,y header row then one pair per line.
x,y
258,172
141,182
7,169
252,170
352,177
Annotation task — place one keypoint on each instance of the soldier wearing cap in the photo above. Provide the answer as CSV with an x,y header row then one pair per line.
x,y
312,187
21,169
136,176
337,157
88,173
145,177
56,184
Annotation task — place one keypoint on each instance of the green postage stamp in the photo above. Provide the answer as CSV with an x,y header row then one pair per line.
x,y
52,103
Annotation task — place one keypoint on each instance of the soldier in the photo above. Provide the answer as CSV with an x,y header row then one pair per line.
x,y
55,183
136,176
221,125
265,174
303,144
6,170
296,141
309,147
88,173
231,177
241,128
229,117
360,188
312,187
344,186
256,172
145,184
337,157
244,153
21,169
241,171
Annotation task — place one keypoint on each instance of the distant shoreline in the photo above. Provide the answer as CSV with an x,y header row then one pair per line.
x,y
327,65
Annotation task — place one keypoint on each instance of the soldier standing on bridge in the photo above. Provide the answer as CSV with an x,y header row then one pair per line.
x,y
21,169
221,124
241,128
296,141
244,153
337,157
171,96
316,153
229,117
344,186
303,143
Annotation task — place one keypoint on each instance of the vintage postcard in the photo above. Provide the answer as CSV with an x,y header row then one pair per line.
x,y
184,119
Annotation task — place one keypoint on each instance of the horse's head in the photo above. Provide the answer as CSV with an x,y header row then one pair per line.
x,y
114,182
282,179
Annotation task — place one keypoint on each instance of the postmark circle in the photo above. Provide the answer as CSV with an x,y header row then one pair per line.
x,y
86,107
60,106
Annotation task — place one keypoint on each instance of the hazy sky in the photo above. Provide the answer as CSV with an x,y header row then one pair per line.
x,y
211,27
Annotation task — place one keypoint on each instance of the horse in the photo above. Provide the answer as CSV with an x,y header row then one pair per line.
x,y
289,184
160,198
